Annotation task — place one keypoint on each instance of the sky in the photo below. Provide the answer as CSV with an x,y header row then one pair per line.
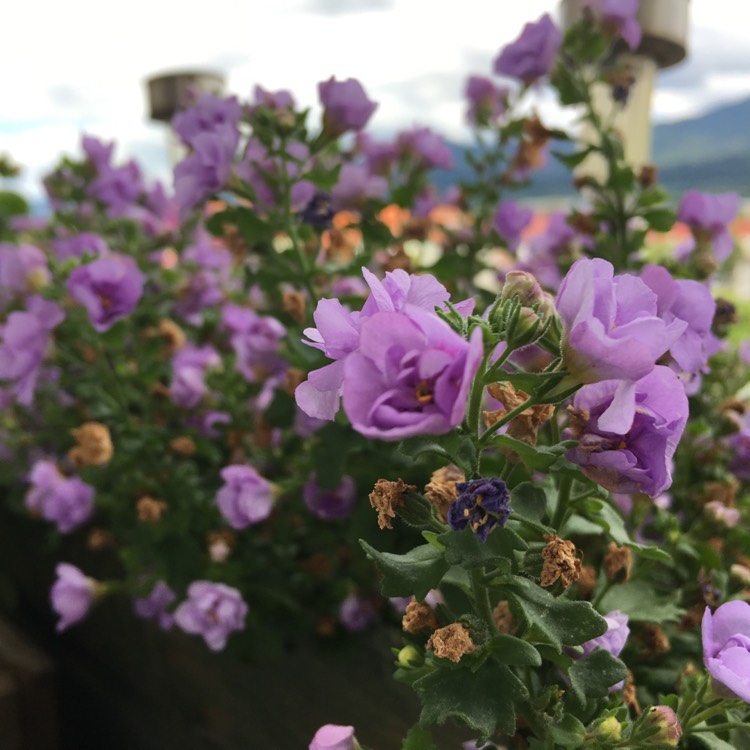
x,y
80,66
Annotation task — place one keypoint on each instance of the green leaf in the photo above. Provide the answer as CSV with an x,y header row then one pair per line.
x,y
711,741
534,457
558,622
432,538
640,601
483,700
465,548
12,204
513,651
568,732
573,160
653,196
416,572
529,501
593,675
418,738
660,219
252,228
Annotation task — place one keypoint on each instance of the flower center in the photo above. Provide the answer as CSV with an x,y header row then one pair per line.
x,y
424,392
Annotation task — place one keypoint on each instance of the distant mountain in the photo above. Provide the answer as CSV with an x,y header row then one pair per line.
x,y
710,153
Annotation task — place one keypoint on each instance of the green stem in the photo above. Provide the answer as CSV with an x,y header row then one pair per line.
x,y
475,399
492,429
563,501
481,597
720,727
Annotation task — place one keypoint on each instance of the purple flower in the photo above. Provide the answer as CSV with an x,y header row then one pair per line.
x,y
205,170
510,220
330,505
24,340
245,498
211,114
334,737
66,501
84,243
709,216
638,458
380,156
72,595
109,289
619,17
611,330
423,147
338,331
356,612
272,99
23,269
345,105
154,606
356,186
481,504
213,611
613,640
532,55
118,187
726,647
691,302
410,376
97,152
255,339
487,102
189,366
739,444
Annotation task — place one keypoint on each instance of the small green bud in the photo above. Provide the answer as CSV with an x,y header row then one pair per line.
x,y
608,730
410,656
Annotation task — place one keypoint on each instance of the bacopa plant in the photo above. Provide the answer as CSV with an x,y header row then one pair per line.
x,y
207,388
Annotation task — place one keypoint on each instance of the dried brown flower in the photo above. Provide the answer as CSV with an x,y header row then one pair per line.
x,y
397,259
441,490
417,617
617,563
172,333
629,695
654,639
99,539
94,445
560,561
647,176
294,303
182,445
150,510
386,498
451,642
503,618
586,581
220,544
525,426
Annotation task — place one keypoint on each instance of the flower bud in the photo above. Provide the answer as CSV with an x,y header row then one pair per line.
x,y
522,285
608,730
410,656
658,726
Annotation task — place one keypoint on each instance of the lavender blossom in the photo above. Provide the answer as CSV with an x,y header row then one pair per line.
x,y
345,105
256,340
66,501
78,245
510,220
356,186
109,289
334,737
246,498
726,647
189,367
487,102
637,458
24,339
154,606
72,595
23,269
213,611
619,18
611,330
533,54
356,612
210,114
691,302
709,216
424,148
330,504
